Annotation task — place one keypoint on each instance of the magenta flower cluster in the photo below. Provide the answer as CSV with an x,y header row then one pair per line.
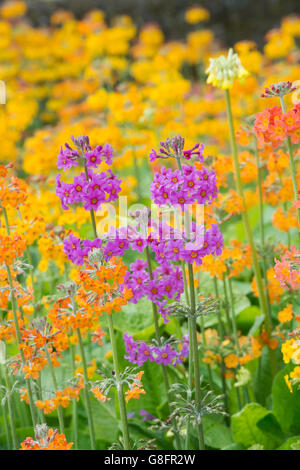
x,y
167,283
89,188
173,147
177,248
138,352
185,186
166,243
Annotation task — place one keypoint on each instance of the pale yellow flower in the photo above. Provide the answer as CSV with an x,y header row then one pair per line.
x,y
222,71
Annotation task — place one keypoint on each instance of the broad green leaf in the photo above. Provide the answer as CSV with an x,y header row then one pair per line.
x,y
256,325
245,430
216,435
290,444
136,319
155,397
270,426
263,378
105,422
286,405
247,317
234,446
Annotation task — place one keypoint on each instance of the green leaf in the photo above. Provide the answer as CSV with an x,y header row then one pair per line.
x,y
286,405
234,446
247,317
136,319
245,429
155,397
141,431
22,433
256,447
216,435
256,325
263,378
270,426
105,421
290,443
173,327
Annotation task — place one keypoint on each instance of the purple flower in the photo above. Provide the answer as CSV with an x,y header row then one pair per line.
x,y
138,244
146,415
130,347
64,192
183,354
79,188
67,158
197,150
153,156
93,199
107,152
93,157
73,249
144,353
165,355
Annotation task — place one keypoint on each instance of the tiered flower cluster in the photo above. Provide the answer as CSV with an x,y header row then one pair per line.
x,y
88,188
138,352
287,269
273,126
166,283
46,439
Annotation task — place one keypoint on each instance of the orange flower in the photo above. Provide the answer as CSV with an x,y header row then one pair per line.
x,y
99,395
231,361
286,314
46,439
97,336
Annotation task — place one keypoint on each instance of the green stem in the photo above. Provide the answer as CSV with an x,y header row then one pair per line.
x,y
16,323
156,323
222,365
190,385
236,338
256,267
190,371
18,336
92,213
86,393
10,408
74,404
205,344
193,332
196,356
159,342
29,257
292,168
227,304
59,409
262,228
186,292
6,427
222,329
122,405
233,320
137,176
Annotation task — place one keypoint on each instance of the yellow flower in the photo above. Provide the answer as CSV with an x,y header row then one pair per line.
x,y
288,382
13,9
108,355
288,350
295,374
196,14
222,71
